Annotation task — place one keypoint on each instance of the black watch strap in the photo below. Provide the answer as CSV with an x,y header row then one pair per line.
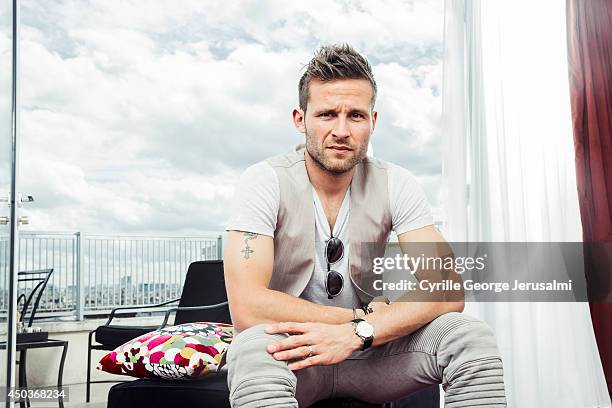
x,y
367,343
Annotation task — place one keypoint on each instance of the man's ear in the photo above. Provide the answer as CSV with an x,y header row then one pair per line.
x,y
374,117
299,118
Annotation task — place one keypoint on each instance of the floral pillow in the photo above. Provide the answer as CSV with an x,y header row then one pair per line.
x,y
188,350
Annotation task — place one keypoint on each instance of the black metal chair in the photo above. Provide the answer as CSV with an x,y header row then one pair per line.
x,y
30,296
28,310
203,283
211,391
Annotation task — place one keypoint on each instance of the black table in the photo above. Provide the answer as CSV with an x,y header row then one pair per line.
x,y
22,348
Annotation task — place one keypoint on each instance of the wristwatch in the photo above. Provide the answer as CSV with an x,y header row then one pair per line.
x,y
364,330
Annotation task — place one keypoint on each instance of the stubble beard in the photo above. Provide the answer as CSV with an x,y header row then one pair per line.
x,y
332,166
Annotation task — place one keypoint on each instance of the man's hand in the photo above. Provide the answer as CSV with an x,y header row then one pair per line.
x,y
330,343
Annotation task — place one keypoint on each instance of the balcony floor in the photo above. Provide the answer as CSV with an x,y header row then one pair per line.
x,y
99,393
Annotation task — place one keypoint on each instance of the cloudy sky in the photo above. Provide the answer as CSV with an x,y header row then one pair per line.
x,y
139,116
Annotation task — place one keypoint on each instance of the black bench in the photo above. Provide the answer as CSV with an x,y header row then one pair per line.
x,y
212,392
205,283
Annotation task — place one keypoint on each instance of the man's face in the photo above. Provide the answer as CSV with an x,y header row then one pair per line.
x,y
338,123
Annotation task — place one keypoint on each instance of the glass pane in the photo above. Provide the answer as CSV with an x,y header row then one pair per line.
x,y
5,171
137,122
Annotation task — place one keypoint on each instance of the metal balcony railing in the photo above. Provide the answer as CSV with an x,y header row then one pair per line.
x,y
94,273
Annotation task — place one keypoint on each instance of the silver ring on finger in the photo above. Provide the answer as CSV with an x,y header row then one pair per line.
x,y
310,351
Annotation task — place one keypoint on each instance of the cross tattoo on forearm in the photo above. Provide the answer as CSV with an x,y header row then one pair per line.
x,y
247,251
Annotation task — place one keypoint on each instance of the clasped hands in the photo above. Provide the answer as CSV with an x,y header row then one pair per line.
x,y
313,343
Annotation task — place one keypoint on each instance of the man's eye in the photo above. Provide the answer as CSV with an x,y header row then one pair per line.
x,y
325,114
357,115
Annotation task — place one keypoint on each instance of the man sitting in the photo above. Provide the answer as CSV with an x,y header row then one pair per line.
x,y
297,274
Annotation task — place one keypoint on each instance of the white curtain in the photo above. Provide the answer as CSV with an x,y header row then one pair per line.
x,y
509,176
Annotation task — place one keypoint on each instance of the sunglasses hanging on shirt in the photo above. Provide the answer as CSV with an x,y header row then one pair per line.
x,y
334,252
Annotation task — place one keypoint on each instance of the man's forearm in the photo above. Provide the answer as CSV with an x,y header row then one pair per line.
x,y
402,318
416,308
413,310
271,306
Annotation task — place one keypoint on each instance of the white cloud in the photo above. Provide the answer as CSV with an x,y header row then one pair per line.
x,y
139,116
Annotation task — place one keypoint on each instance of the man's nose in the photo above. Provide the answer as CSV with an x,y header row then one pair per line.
x,y
341,130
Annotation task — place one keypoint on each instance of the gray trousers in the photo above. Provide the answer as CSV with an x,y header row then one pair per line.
x,y
455,350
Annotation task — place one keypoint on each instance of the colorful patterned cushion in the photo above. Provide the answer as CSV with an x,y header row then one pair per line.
x,y
188,350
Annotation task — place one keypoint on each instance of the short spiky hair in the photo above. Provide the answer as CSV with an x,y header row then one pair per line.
x,y
338,61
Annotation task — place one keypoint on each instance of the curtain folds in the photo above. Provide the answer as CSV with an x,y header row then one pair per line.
x,y
589,38
509,176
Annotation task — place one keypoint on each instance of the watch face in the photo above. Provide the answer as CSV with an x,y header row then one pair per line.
x,y
365,329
